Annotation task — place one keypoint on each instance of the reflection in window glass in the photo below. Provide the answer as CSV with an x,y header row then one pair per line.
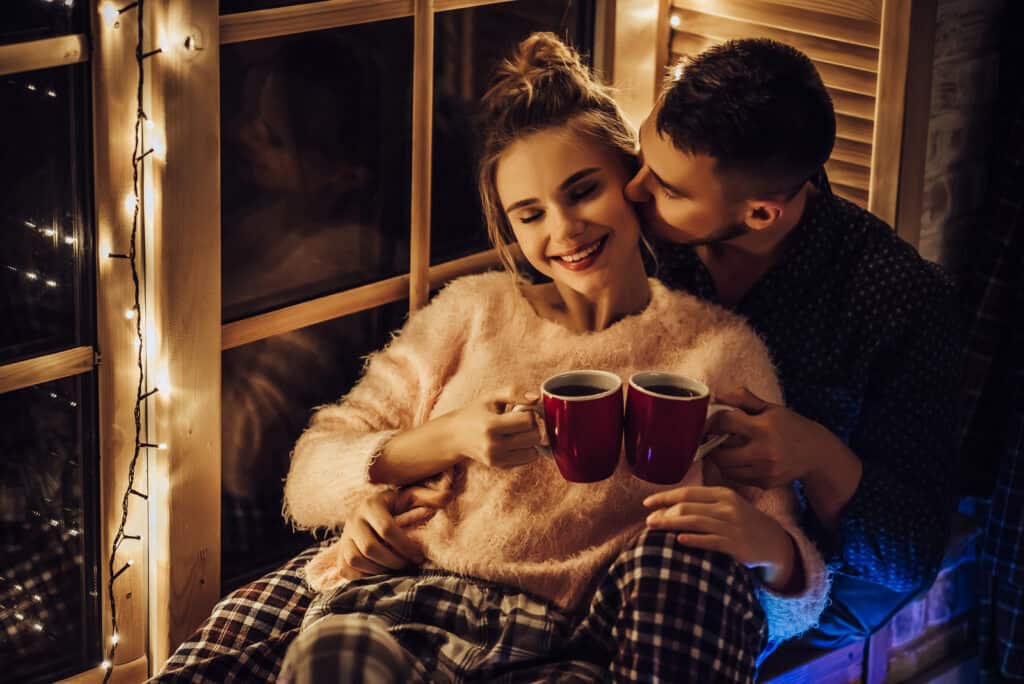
x,y
49,602
468,46
315,134
22,20
270,389
41,212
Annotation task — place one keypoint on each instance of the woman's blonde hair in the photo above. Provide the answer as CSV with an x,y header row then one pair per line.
x,y
543,85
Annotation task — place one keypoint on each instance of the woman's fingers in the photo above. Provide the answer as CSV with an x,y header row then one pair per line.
x,y
513,423
687,494
701,524
709,542
522,440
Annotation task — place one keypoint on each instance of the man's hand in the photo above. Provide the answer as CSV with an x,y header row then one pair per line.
x,y
374,541
771,446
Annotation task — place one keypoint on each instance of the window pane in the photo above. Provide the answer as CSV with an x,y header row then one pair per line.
x,y
22,20
236,6
49,602
42,159
468,46
270,389
316,132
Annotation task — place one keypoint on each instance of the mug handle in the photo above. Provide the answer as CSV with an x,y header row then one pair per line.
x,y
538,409
706,447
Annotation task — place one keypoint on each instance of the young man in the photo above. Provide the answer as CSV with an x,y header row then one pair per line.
x,y
865,333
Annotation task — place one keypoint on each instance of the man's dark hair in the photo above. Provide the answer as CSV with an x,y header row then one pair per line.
x,y
759,108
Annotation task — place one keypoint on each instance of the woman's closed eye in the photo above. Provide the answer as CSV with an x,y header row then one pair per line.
x,y
530,216
582,191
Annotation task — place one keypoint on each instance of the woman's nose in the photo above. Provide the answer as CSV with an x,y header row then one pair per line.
x,y
636,188
569,225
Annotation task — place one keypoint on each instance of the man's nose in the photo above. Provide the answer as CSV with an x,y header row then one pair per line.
x,y
636,188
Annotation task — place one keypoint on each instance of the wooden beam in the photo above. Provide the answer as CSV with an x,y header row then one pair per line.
x,y
910,200
347,303
422,130
43,54
127,673
326,14
890,104
63,364
184,259
114,113
635,58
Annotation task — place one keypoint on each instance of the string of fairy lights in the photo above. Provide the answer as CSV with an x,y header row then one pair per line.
x,y
134,203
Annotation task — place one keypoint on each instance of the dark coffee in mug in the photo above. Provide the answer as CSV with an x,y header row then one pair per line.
x,y
671,390
577,390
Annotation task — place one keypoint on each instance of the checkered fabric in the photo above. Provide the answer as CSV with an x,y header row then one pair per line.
x,y
662,613
246,636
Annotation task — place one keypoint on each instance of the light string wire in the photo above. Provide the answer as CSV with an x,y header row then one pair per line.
x,y
138,223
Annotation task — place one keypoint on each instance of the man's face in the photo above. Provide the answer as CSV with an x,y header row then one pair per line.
x,y
680,195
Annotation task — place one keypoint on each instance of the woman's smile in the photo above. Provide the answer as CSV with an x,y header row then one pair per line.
x,y
583,258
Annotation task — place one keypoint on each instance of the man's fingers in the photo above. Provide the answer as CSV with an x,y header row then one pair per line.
x,y
727,457
681,494
387,530
411,497
363,538
415,516
743,398
731,423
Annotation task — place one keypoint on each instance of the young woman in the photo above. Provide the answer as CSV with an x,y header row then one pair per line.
x,y
523,574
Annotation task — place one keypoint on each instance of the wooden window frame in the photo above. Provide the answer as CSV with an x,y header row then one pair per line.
x,y
176,577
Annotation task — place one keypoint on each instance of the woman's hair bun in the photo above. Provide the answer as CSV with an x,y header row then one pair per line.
x,y
544,76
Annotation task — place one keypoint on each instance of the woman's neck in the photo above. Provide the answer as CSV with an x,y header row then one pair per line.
x,y
591,313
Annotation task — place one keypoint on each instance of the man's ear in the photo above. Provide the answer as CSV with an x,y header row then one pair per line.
x,y
763,213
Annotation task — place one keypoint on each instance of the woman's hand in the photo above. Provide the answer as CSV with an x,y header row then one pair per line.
x,y
720,519
487,431
374,541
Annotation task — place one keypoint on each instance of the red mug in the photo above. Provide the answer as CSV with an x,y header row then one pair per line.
x,y
582,412
665,417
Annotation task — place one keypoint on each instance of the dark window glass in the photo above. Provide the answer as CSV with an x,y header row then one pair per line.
x,y
43,270
22,20
49,601
468,46
316,132
236,6
270,389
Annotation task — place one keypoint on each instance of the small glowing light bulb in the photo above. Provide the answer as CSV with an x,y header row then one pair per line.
x,y
32,276
108,11
130,562
129,202
114,638
162,446
31,86
675,21
105,665
38,627
51,283
49,232
51,93
129,314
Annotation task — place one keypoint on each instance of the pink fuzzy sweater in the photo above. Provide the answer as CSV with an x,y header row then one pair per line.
x,y
526,526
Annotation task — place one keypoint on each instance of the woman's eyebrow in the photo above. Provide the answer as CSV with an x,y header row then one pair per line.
x,y
582,173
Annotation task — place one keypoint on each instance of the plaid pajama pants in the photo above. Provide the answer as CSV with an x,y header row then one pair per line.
x,y
663,612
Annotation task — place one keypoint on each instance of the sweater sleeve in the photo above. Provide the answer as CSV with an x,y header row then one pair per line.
x,y
790,615
738,358
328,475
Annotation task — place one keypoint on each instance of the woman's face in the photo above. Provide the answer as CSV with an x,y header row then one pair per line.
x,y
563,196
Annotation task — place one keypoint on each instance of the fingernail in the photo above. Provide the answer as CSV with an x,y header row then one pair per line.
x,y
531,396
